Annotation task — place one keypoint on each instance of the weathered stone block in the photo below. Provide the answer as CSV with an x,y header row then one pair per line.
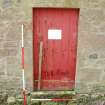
x,y
12,52
3,52
93,56
10,44
12,60
11,100
7,3
90,75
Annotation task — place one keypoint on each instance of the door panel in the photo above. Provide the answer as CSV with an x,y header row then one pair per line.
x,y
57,30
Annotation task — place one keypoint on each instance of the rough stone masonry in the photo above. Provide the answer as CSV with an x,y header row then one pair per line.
x,y
91,42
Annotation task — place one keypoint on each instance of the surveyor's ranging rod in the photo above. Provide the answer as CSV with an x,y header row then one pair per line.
x,y
53,99
23,74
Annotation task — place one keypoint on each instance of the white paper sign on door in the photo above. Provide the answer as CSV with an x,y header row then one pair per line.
x,y
54,34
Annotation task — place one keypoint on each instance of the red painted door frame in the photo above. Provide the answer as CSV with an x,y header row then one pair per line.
x,y
59,57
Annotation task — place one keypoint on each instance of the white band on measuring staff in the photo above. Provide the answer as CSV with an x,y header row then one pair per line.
x,y
23,79
22,36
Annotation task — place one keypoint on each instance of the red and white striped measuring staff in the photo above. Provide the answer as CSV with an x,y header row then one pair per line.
x,y
52,99
23,74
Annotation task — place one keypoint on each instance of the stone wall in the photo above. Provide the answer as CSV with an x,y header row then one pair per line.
x,y
91,45
91,41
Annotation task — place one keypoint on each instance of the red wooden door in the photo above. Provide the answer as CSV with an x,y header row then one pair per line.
x,y
57,30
